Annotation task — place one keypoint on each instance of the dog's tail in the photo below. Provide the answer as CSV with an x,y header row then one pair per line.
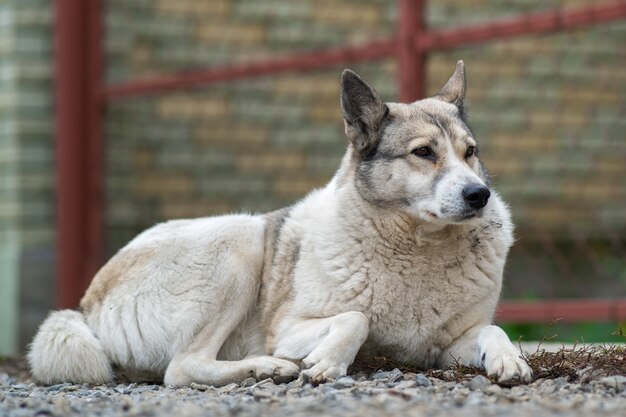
x,y
66,350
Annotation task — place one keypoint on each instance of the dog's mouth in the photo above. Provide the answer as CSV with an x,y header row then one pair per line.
x,y
464,216
468,215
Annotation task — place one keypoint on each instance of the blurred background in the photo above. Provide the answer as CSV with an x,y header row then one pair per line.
x,y
548,109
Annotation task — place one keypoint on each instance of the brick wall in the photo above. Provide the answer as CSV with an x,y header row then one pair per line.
x,y
252,146
26,169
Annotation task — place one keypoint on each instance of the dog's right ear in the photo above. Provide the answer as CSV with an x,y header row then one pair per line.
x,y
363,111
454,90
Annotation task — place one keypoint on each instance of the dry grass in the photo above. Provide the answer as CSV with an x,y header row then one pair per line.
x,y
580,363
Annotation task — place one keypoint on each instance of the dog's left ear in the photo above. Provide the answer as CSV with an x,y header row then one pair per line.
x,y
363,112
454,90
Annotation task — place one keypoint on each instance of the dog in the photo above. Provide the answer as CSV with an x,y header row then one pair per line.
x,y
400,255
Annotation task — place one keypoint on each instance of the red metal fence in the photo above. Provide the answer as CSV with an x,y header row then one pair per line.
x,y
82,97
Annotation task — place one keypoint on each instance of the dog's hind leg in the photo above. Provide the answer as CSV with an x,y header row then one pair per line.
x,y
198,362
327,346
231,311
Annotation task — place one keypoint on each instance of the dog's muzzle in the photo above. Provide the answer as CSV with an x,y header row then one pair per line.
x,y
476,195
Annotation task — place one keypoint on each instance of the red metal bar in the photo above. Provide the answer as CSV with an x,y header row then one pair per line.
x,y
411,59
77,185
70,128
527,24
564,310
410,19
302,62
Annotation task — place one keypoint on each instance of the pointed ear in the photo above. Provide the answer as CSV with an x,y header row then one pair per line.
x,y
363,111
454,90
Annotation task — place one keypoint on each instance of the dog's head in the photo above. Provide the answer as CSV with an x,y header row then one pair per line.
x,y
421,158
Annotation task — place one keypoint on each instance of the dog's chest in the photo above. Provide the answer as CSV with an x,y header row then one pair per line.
x,y
417,298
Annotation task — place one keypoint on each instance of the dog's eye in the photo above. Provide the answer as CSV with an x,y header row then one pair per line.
x,y
424,152
471,151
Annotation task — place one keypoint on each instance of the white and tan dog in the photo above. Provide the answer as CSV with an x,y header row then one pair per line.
x,y
401,255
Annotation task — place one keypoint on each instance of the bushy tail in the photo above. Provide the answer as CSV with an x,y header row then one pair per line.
x,y
66,350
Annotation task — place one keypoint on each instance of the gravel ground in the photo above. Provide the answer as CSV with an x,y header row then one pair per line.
x,y
379,393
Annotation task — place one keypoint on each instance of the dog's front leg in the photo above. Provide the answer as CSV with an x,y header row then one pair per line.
x,y
490,348
326,346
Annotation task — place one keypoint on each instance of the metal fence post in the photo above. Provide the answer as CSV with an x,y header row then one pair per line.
x,y
411,59
78,148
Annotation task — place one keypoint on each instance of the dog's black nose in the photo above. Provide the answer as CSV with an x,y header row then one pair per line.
x,y
476,195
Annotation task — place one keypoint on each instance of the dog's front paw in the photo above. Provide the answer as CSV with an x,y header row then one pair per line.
x,y
323,370
506,364
280,370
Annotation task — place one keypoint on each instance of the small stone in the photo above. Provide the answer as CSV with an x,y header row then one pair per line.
x,y
560,382
344,382
547,387
448,375
492,389
329,397
395,375
406,384
37,395
296,383
147,388
228,388
422,380
577,400
248,382
56,387
585,374
123,390
479,382
537,382
475,398
326,389
265,382
617,382
361,376
458,399
259,394
379,375
575,387
436,381
199,387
